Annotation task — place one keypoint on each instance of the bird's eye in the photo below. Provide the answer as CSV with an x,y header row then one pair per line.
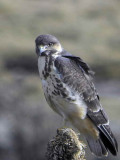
x,y
50,44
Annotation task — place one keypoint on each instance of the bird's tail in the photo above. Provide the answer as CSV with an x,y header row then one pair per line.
x,y
105,142
96,146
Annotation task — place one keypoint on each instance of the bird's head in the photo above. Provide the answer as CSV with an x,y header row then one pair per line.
x,y
47,43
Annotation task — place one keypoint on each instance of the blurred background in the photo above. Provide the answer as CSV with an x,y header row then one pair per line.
x,y
87,28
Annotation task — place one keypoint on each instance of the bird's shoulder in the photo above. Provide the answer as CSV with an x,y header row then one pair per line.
x,y
76,73
74,67
79,62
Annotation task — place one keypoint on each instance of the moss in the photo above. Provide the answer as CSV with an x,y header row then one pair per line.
x,y
65,145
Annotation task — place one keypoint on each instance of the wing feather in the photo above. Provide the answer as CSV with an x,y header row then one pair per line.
x,y
77,75
78,79
82,65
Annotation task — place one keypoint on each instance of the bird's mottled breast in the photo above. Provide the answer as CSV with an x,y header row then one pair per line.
x,y
51,79
45,64
48,74
59,95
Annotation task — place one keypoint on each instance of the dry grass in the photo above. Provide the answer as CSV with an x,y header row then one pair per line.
x,y
89,28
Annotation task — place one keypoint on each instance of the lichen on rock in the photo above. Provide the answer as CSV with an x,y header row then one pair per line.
x,y
65,146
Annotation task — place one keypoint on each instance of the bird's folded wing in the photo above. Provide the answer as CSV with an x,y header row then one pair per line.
x,y
77,75
78,78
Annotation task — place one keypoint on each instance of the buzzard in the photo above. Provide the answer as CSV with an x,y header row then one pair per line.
x,y
70,92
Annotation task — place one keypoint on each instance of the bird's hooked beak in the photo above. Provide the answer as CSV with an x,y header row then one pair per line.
x,y
40,49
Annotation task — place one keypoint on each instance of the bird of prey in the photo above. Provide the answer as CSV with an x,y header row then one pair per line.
x,y
70,92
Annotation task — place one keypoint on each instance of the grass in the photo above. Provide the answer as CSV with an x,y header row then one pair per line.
x,y
89,29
